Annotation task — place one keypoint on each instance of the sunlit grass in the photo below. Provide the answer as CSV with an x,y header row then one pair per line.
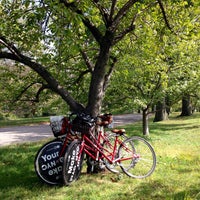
x,y
23,121
177,175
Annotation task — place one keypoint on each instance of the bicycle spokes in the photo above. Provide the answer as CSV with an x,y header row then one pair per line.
x,y
138,158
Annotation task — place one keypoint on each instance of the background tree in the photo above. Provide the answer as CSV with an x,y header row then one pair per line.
x,y
151,64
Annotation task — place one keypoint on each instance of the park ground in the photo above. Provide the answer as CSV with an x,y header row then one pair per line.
x,y
35,132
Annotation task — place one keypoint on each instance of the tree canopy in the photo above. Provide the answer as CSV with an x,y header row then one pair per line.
x,y
73,47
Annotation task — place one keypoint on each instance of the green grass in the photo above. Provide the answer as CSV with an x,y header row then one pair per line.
x,y
177,175
23,121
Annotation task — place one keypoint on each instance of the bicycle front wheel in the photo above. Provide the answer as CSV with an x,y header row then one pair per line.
x,y
72,163
137,157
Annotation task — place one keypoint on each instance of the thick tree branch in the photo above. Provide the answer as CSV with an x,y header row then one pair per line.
x,y
88,63
122,12
104,13
109,73
10,46
112,10
93,29
51,81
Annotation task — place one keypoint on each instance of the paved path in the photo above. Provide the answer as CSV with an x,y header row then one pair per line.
x,y
20,134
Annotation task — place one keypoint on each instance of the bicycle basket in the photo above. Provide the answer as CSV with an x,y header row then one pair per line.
x,y
82,123
58,125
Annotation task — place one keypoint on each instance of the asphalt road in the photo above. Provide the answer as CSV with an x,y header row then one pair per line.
x,y
20,134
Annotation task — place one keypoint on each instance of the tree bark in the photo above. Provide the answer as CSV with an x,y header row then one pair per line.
x,y
161,113
145,122
186,106
96,91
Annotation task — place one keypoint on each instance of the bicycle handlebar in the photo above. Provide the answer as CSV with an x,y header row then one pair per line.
x,y
100,120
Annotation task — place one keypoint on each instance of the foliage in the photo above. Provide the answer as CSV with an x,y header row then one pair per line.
x,y
155,62
176,143
75,45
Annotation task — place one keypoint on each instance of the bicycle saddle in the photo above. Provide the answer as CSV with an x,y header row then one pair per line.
x,y
119,131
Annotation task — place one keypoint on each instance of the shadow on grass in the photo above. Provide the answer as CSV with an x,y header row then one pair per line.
x,y
158,128
161,129
18,177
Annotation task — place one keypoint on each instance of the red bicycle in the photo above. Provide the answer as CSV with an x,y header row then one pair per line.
x,y
49,158
134,155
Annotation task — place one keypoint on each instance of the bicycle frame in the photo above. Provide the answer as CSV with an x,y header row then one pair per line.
x,y
70,137
94,148
67,139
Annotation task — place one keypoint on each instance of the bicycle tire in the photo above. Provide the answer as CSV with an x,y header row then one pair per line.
x,y
48,165
138,158
72,164
109,145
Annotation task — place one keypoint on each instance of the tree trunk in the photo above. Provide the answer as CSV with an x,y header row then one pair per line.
x,y
168,105
97,90
145,122
186,106
161,113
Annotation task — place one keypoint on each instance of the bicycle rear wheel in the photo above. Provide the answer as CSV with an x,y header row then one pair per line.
x,y
137,157
72,163
48,165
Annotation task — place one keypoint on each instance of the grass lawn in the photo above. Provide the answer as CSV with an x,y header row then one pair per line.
x,y
23,121
177,175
